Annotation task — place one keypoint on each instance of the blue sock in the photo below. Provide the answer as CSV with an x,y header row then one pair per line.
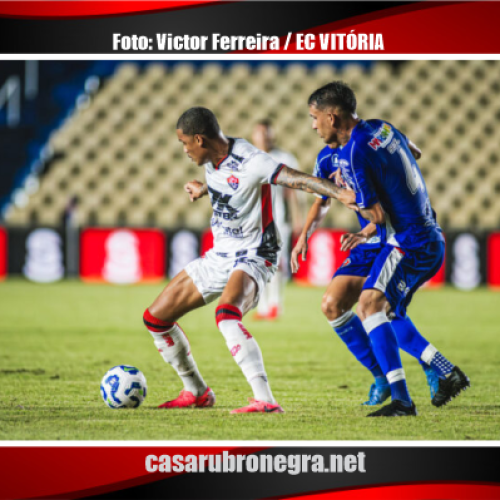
x,y
411,341
350,329
386,349
409,338
437,361
381,381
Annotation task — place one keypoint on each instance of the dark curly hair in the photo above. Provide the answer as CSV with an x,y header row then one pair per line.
x,y
199,120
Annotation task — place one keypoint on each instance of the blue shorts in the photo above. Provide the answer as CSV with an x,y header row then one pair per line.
x,y
400,273
359,262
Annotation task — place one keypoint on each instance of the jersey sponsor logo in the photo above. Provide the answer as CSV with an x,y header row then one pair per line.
x,y
233,182
233,165
393,146
375,143
382,137
232,232
221,206
346,174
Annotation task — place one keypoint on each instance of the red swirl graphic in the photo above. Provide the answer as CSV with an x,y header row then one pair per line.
x,y
414,491
76,472
76,9
422,28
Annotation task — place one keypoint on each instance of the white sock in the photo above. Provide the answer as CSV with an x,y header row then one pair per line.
x,y
247,354
174,348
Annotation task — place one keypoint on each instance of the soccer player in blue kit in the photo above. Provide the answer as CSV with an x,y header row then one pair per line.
x,y
399,248
348,282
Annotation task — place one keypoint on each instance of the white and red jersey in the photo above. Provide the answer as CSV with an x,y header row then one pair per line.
x,y
239,186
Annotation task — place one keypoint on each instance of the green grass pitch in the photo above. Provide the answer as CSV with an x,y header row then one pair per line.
x,y
57,341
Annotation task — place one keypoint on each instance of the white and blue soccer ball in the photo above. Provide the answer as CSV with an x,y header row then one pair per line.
x,y
124,386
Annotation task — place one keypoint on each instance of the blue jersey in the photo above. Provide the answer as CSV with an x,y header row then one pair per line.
x,y
327,162
379,166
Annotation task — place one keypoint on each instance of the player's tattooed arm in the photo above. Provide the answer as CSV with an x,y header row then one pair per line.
x,y
374,214
296,179
195,189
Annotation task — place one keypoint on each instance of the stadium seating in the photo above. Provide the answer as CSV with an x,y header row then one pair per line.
x,y
119,155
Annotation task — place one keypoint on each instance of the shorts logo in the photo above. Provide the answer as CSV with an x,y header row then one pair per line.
x,y
233,182
403,288
346,263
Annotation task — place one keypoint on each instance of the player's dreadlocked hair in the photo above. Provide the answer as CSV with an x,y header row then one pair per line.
x,y
333,95
199,120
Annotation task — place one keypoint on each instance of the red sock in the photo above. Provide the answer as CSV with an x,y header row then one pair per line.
x,y
156,325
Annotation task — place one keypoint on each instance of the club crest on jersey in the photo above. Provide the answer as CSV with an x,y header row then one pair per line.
x,y
233,182
335,161
382,137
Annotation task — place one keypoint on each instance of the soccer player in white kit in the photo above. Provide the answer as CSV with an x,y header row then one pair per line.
x,y
271,301
243,259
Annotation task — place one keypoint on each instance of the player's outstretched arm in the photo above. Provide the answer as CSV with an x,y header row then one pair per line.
x,y
195,189
296,179
315,216
296,208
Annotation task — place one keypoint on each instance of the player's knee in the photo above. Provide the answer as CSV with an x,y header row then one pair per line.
x,y
360,309
370,302
331,307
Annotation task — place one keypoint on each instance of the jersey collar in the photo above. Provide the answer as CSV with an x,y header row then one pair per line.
x,y
229,153
358,126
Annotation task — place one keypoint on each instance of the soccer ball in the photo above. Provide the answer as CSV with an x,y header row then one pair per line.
x,y
124,387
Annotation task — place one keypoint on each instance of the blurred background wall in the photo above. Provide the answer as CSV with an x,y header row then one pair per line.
x,y
90,147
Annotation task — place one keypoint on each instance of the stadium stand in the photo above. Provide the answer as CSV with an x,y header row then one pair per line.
x,y
119,155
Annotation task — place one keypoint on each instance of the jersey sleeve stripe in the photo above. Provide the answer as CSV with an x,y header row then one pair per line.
x,y
277,172
267,207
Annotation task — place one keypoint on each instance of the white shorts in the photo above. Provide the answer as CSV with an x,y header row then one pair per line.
x,y
211,273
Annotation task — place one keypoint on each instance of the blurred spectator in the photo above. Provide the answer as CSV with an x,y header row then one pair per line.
x,y
288,218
